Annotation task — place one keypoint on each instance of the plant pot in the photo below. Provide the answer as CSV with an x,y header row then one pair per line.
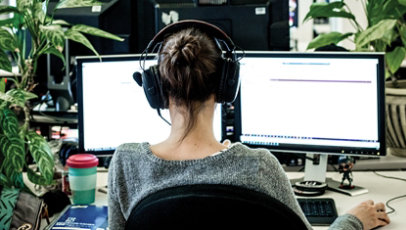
x,y
396,118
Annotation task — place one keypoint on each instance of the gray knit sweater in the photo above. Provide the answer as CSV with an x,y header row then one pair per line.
x,y
136,172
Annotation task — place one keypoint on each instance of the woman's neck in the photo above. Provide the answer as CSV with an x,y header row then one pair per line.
x,y
199,142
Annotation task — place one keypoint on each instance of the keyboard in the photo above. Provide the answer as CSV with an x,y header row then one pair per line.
x,y
318,211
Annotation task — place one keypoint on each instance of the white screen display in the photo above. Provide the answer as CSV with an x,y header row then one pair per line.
x,y
115,109
309,101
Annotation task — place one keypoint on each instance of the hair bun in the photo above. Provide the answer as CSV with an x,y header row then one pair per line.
x,y
185,50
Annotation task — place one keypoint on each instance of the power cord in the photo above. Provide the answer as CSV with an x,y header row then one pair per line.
x,y
392,210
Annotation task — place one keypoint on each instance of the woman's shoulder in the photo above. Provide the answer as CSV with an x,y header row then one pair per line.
x,y
250,151
130,150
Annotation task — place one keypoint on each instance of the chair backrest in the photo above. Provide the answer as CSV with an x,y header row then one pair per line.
x,y
212,206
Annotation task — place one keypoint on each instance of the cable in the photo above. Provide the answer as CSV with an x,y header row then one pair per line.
x,y
389,177
159,113
390,200
392,210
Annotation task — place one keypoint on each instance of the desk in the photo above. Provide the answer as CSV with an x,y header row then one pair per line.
x,y
380,190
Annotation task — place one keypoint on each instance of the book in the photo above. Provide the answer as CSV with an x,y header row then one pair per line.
x,y
81,217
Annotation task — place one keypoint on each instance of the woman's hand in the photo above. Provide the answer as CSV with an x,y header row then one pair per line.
x,y
371,215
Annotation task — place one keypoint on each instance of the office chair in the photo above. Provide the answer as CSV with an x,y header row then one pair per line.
x,y
212,206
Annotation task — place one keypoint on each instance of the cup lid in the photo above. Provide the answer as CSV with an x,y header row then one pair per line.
x,y
82,161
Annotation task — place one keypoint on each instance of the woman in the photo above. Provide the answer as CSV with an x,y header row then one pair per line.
x,y
188,67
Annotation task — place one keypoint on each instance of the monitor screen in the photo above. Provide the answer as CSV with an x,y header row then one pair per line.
x,y
113,109
313,102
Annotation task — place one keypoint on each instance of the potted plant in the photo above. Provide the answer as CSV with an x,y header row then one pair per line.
x,y
47,36
385,32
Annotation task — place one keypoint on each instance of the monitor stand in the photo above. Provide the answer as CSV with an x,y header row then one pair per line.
x,y
315,170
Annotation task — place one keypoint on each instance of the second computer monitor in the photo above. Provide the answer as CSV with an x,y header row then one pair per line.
x,y
313,102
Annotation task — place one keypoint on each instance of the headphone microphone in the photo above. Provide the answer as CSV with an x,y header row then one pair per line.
x,y
137,76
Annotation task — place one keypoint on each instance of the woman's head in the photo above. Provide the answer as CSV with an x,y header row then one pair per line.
x,y
188,66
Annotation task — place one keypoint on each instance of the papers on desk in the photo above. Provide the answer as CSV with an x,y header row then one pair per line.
x,y
81,217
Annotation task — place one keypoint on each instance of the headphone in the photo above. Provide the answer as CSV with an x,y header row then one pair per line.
x,y
228,68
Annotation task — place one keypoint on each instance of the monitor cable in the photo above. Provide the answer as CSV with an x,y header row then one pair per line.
x,y
392,210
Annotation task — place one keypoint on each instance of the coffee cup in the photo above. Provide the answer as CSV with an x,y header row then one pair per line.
x,y
83,177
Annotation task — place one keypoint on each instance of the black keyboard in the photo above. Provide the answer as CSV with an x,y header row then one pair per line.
x,y
318,211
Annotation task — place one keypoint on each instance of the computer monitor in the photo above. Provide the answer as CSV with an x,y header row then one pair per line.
x,y
113,109
251,24
314,103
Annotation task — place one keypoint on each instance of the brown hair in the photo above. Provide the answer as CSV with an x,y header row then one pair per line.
x,y
188,63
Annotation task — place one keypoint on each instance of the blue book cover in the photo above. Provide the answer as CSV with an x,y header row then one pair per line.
x,y
82,217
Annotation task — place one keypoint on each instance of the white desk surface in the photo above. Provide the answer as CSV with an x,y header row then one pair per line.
x,y
379,189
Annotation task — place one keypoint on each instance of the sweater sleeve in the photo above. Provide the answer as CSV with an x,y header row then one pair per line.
x,y
280,188
115,216
346,222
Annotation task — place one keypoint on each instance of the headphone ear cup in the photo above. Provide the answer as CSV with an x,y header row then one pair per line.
x,y
229,81
152,88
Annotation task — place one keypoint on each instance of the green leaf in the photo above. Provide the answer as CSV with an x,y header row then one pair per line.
x,y
60,22
327,39
402,33
9,123
95,31
17,96
5,63
14,154
326,10
42,154
52,50
76,3
402,2
39,11
55,35
22,5
7,22
8,9
7,40
394,58
37,178
3,85
375,32
80,38
3,180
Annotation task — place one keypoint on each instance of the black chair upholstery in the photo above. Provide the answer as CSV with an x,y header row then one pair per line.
x,y
212,206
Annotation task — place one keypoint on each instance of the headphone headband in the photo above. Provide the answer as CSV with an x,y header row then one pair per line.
x,y
210,29
227,69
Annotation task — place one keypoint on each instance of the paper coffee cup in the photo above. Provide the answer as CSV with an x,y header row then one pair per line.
x,y
83,177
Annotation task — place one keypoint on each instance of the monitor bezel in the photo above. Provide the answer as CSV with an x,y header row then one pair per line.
x,y
318,149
